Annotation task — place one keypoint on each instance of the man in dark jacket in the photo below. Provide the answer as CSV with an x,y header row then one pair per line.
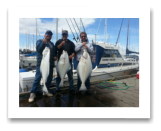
x,y
40,46
67,45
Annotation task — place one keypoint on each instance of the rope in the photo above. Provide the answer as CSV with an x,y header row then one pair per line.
x,y
120,84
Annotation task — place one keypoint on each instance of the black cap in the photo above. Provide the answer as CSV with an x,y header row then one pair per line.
x,y
49,32
64,32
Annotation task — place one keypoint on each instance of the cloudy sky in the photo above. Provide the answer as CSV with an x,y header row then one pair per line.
x,y
27,30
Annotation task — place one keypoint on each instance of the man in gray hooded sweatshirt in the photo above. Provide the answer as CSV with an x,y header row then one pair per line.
x,y
84,44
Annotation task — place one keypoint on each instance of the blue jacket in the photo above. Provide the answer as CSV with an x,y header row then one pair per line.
x,y
40,47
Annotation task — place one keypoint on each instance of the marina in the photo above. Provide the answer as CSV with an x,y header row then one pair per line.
x,y
100,97
107,64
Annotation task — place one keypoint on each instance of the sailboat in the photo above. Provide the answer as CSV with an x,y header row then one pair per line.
x,y
29,60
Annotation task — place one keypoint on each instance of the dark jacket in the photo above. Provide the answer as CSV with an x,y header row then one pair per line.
x,y
69,47
40,47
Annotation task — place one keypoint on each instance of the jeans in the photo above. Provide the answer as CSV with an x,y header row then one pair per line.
x,y
70,79
38,78
87,82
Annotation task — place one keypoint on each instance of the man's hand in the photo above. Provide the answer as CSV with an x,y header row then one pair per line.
x,y
63,43
71,56
84,43
44,41
86,47
55,58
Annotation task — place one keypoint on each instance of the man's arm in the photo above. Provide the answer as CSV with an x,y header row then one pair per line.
x,y
79,46
62,43
54,54
72,51
40,46
89,48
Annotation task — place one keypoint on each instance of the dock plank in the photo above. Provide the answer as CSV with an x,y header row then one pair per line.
x,y
100,97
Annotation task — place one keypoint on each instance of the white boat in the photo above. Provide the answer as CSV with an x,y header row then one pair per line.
x,y
109,63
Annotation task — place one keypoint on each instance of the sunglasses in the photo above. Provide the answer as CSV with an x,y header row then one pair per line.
x,y
64,34
48,34
83,36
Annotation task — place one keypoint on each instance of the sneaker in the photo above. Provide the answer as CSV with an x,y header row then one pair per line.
x,y
72,92
88,92
47,94
32,97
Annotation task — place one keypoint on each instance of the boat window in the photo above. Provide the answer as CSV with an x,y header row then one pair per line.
x,y
112,53
116,53
106,53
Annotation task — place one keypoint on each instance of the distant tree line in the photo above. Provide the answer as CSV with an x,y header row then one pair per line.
x,y
26,51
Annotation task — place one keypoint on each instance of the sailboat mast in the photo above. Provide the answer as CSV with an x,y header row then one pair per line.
x,y
36,29
119,31
33,42
97,31
56,29
26,40
127,37
105,31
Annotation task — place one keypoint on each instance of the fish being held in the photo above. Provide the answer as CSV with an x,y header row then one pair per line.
x,y
84,68
63,66
45,67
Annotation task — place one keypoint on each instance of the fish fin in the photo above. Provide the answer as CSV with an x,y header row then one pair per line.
x,y
83,87
61,84
44,89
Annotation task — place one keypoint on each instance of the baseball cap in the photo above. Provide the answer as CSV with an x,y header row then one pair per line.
x,y
48,32
64,32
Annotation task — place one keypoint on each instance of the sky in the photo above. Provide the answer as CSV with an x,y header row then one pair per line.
x,y
16,13
107,34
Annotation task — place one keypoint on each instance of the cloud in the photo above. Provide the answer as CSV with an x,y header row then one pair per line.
x,y
28,25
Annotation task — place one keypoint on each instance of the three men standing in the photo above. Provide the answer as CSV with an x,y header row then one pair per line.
x,y
55,52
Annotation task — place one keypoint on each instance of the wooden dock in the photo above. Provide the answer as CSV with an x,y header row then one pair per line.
x,y
100,97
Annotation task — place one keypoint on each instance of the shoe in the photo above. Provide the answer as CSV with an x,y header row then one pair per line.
x,y
47,94
32,97
72,92
88,92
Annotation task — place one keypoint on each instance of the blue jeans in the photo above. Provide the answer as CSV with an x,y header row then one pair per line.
x,y
87,82
70,79
38,78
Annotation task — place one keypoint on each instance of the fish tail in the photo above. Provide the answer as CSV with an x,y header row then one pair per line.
x,y
45,89
61,84
83,87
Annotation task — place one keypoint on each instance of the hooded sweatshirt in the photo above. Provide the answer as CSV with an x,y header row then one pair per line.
x,y
79,49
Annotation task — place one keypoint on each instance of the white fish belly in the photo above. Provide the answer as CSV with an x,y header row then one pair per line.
x,y
84,70
44,67
63,66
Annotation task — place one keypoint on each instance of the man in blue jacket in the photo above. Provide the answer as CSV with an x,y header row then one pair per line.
x,y
40,46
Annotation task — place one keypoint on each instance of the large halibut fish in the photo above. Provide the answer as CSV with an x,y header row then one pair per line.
x,y
84,68
44,67
63,66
